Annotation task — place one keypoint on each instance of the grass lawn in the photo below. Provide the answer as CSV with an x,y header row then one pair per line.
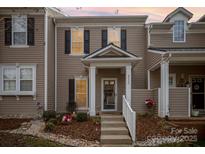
x,y
17,140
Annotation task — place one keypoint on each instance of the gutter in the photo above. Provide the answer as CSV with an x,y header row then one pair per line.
x,y
46,60
55,64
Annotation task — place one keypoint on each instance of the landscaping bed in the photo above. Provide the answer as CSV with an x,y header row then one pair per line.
x,y
87,130
19,140
150,125
11,123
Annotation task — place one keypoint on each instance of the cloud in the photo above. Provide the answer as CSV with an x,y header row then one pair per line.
x,y
154,13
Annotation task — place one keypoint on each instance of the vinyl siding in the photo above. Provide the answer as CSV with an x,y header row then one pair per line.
x,y
140,95
33,55
165,40
51,64
178,102
69,66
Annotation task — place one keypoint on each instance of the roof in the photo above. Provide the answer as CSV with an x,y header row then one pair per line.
x,y
202,19
177,49
103,19
179,9
110,45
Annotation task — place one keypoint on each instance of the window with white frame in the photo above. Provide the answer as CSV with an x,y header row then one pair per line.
x,y
9,79
19,30
81,92
179,31
114,36
172,80
18,80
77,41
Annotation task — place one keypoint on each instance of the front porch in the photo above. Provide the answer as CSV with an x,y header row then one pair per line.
x,y
181,78
110,77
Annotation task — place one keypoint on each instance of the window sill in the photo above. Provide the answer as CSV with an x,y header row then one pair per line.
x,y
27,93
80,55
19,46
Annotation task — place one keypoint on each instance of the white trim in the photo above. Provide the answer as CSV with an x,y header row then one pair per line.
x,y
19,46
186,59
86,79
55,68
46,61
99,24
186,52
157,52
128,82
173,75
159,102
189,102
17,92
79,29
148,79
108,47
92,91
102,94
113,59
173,38
109,64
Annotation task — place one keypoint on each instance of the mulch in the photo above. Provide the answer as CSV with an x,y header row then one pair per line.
x,y
87,130
11,123
151,126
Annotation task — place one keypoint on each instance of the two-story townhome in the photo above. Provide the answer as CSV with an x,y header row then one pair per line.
x,y
104,64
27,59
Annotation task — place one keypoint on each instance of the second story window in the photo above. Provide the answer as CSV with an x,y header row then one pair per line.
x,y
179,31
77,38
114,36
19,30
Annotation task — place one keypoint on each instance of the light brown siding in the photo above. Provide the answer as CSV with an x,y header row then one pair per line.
x,y
155,79
178,102
140,95
33,55
51,64
69,66
165,40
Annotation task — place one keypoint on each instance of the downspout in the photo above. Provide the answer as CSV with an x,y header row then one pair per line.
x,y
46,60
55,64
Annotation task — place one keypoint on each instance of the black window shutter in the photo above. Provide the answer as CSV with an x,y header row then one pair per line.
x,y
86,41
123,39
71,90
104,38
30,31
7,26
67,41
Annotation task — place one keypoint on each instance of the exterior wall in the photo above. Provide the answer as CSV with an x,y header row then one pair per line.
x,y
69,66
110,73
165,40
155,79
139,96
34,55
178,102
51,64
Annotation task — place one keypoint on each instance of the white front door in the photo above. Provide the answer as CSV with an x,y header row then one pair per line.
x,y
109,94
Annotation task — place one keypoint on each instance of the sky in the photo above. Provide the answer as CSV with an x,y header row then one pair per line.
x,y
155,14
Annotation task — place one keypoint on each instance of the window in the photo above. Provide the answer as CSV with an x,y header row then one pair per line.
x,y
81,92
9,79
114,36
172,80
179,31
18,80
77,37
19,30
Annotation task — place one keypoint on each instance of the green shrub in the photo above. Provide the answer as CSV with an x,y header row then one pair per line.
x,y
49,115
81,116
52,120
49,126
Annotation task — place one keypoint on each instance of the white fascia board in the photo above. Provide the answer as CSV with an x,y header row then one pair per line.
x,y
156,51
186,52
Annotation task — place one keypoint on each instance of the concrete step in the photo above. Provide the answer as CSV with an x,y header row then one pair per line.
x,y
113,124
115,139
112,118
116,145
114,131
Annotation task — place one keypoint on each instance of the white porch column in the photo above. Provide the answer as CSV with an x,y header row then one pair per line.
x,y
92,76
128,82
164,106
148,80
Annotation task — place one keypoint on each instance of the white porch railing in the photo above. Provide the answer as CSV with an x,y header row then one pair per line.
x,y
130,118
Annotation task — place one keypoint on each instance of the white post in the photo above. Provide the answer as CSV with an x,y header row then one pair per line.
x,y
189,102
165,88
92,76
128,83
148,79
